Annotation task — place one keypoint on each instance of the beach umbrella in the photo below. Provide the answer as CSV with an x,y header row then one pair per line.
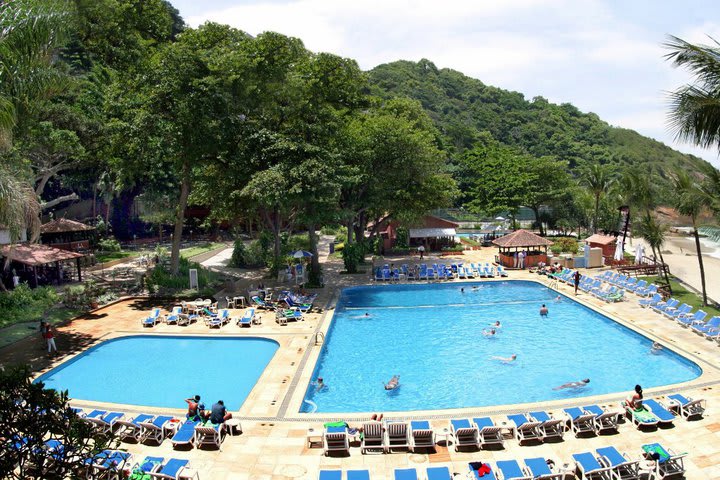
x,y
639,253
302,254
619,250
499,218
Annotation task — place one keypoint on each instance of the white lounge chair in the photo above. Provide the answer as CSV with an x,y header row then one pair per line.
x,y
549,427
464,433
686,406
421,435
335,440
209,435
373,438
580,420
488,432
396,436
525,429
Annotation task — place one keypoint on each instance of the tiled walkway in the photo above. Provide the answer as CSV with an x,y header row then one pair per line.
x,y
273,442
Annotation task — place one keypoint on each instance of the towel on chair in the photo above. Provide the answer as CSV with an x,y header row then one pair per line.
x,y
481,468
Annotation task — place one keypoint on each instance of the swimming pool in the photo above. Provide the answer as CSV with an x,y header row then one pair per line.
x,y
431,335
162,371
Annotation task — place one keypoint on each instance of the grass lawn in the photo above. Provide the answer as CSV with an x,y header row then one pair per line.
x,y
29,325
103,257
192,251
684,295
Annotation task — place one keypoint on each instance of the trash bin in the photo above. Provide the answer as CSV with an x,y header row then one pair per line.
x,y
332,248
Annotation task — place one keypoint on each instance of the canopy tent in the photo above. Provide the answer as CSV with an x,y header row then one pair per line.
x,y
35,256
639,253
533,246
619,251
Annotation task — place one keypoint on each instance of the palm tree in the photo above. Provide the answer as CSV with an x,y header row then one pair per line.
x,y
654,233
30,30
695,109
19,206
690,200
598,179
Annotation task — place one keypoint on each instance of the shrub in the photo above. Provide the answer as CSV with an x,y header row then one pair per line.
x,y
162,281
238,256
328,230
402,238
565,244
353,255
109,245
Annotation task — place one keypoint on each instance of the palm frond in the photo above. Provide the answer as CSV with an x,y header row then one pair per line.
x,y
695,116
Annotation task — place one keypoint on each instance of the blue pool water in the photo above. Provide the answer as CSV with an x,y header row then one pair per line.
x,y
162,371
431,335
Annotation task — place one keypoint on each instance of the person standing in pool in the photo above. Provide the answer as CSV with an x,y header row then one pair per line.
x,y
543,311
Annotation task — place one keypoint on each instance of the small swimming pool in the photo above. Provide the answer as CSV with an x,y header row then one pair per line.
x,y
431,335
162,371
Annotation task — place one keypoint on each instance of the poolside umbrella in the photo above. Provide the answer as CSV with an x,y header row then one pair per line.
x,y
302,254
639,253
619,251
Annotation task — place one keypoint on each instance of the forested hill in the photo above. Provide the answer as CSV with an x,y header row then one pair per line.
x,y
463,107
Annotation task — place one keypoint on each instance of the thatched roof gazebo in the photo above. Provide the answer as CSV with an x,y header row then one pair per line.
x,y
41,264
533,248
67,234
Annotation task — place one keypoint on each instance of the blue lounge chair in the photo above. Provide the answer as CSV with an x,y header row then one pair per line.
x,y
173,316
358,475
669,464
437,473
185,434
511,470
648,302
220,319
662,306
421,435
406,474
549,427
619,463
303,307
171,470
604,420
488,432
132,427
107,462
152,319
155,429
647,291
686,406
330,475
247,318
149,464
695,319
634,288
477,467
260,303
676,312
580,420
525,429
641,417
708,329
664,415
464,433
106,421
501,271
540,469
590,467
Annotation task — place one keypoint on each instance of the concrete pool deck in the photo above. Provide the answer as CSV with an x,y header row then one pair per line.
x,y
273,443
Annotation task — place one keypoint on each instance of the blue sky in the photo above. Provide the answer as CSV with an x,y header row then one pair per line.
x,y
602,56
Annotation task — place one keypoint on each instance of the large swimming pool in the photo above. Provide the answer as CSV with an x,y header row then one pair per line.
x,y
162,371
431,335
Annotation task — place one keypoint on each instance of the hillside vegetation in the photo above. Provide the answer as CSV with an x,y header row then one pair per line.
x,y
462,108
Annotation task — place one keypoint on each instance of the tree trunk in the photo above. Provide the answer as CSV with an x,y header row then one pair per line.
x,y
180,219
665,270
700,262
314,260
360,227
536,211
350,231
597,211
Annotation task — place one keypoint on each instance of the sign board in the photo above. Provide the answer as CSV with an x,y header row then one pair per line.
x,y
194,279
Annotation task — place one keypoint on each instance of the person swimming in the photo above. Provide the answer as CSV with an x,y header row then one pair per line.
x,y
462,290
489,332
509,359
579,384
656,348
393,383
558,299
496,324
319,384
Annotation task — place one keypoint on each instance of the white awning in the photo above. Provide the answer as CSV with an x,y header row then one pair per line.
x,y
432,232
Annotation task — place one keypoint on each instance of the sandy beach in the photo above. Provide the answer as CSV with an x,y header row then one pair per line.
x,y
679,253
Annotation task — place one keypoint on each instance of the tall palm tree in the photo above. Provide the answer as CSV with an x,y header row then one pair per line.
x,y
654,232
598,179
695,109
690,200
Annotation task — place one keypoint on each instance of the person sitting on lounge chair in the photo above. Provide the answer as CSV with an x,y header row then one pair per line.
x,y
579,384
635,400
393,383
219,413
196,410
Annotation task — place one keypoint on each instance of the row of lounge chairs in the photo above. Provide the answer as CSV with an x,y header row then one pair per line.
x,y
536,426
212,319
605,463
119,464
147,427
684,316
437,272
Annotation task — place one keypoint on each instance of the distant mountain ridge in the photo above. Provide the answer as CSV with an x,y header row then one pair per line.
x,y
463,107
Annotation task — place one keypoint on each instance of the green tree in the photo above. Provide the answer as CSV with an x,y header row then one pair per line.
x,y
654,232
690,200
695,109
42,436
598,180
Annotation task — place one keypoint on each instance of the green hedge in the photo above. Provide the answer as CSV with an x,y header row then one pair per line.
x,y
25,304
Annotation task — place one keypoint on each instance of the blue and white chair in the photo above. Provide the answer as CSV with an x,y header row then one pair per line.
x,y
590,467
686,406
247,319
152,319
621,466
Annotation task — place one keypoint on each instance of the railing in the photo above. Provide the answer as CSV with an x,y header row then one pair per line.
x,y
319,338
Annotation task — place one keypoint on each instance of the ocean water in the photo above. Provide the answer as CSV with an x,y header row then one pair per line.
x,y
162,371
432,336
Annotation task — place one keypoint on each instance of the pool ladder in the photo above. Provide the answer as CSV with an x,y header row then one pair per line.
x,y
319,338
